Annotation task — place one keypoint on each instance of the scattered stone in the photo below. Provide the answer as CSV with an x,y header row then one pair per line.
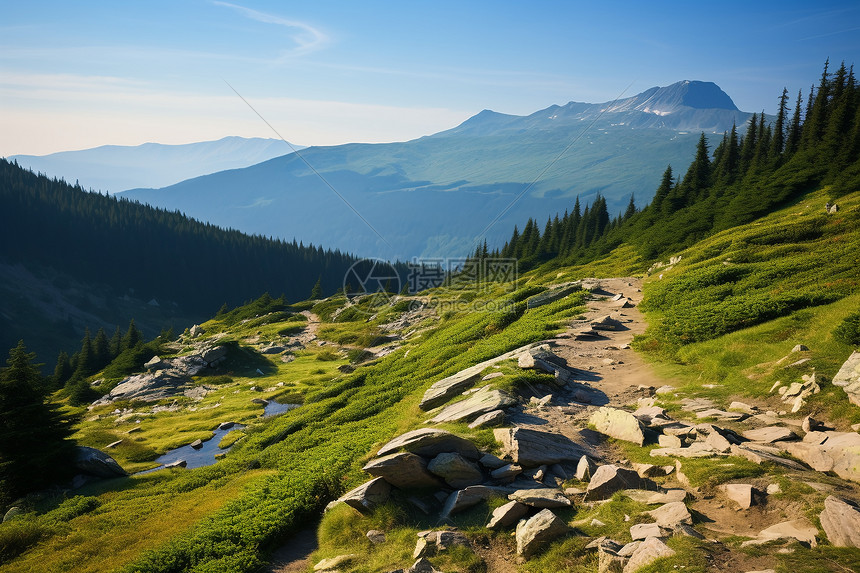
x,y
196,444
449,387
810,424
259,401
506,473
671,514
800,529
597,523
376,536
466,498
696,450
610,478
685,530
332,564
367,496
770,434
841,522
507,515
839,452
718,442
721,415
541,497
645,530
742,407
457,471
618,424
533,448
404,470
489,420
535,532
481,402
656,497
606,322
650,470
422,566
646,553
176,464
800,348
492,375
96,463
431,442
663,390
773,489
492,462
741,493
585,468
848,378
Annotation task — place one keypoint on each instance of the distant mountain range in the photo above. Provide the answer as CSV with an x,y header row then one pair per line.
x,y
114,168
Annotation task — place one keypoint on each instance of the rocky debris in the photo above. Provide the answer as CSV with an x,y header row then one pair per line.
x,y
848,378
671,514
196,444
647,552
610,478
489,420
155,363
332,564
623,303
226,425
810,424
367,496
770,434
376,536
838,452
481,402
618,424
537,531
177,464
743,407
553,294
492,462
466,498
656,497
431,543
506,473
196,331
404,470
533,448
97,463
541,497
721,415
420,566
650,470
841,522
831,208
585,468
695,450
542,358
798,529
758,455
507,515
457,471
796,393
741,493
273,349
431,442
606,322
645,530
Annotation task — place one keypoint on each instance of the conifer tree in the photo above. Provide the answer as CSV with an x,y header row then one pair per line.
x,y
316,291
101,350
86,363
631,209
115,344
793,140
778,142
133,336
34,450
63,370
663,190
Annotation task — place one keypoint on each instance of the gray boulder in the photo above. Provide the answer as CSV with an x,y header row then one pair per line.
x,y
447,388
404,470
457,471
848,378
489,420
431,442
541,497
841,522
742,494
672,514
646,553
585,468
534,533
481,402
770,434
610,478
533,448
618,424
507,515
468,497
367,496
97,463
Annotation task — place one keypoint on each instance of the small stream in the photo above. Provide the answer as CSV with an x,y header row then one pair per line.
x,y
205,455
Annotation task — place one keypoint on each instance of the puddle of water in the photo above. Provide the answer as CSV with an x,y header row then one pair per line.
x,y
205,456
274,408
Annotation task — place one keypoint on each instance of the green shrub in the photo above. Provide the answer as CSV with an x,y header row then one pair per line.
x,y
18,535
327,355
848,331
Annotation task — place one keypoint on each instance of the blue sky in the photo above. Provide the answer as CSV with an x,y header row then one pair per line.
x,y
80,74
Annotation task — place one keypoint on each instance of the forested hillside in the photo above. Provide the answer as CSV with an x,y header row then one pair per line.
x,y
118,248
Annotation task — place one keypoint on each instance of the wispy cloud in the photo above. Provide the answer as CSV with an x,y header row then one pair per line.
x,y
307,39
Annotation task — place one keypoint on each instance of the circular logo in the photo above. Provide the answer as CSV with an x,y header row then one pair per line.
x,y
374,277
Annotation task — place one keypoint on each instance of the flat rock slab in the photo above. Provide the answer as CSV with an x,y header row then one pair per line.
x,y
541,497
404,470
507,515
841,522
618,424
799,529
489,420
333,563
431,442
839,452
481,402
534,448
770,434
645,530
540,529
672,514
741,493
468,497
656,497
610,478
